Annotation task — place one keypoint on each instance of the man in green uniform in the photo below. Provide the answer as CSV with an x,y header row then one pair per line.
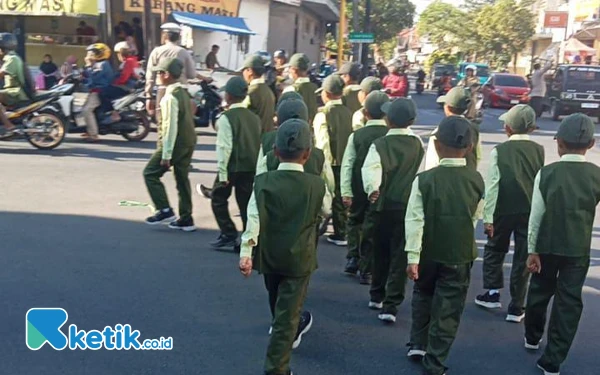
x,y
361,228
367,86
440,242
350,73
14,79
513,167
387,173
332,126
299,64
260,99
281,226
565,196
238,140
175,149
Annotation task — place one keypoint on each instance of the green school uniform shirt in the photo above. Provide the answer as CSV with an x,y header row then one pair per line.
x,y
177,120
332,127
261,101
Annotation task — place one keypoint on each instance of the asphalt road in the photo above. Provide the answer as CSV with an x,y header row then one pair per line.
x,y
65,242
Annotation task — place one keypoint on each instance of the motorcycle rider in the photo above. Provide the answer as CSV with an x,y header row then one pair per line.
x,y
445,83
396,83
14,80
471,82
421,77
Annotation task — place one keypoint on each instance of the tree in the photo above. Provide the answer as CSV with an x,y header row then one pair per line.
x,y
444,24
392,16
476,4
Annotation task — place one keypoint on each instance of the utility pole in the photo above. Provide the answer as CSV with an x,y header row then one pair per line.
x,y
147,28
367,29
163,11
355,27
342,30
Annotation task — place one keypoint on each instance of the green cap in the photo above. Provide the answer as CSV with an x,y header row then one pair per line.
x,y
455,132
374,103
370,84
400,112
350,68
172,66
519,118
237,87
576,128
334,84
253,62
300,61
291,108
290,95
458,97
293,135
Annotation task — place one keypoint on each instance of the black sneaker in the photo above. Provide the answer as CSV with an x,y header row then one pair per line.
x,y
489,301
387,316
416,352
352,266
184,225
530,345
337,240
306,321
547,368
515,315
224,241
164,216
365,278
206,192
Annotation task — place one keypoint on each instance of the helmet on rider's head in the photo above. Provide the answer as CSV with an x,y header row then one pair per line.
x,y
100,51
279,54
471,67
8,42
265,57
121,46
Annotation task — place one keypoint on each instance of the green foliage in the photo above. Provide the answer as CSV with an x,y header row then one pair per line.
x,y
476,4
442,57
445,24
388,18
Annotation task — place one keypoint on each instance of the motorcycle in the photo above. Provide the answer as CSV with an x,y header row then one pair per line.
x,y
420,87
209,103
475,111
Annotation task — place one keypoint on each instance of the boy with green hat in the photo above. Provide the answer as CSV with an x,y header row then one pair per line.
x,y
238,140
509,187
565,196
440,242
455,102
387,173
174,149
360,224
367,86
350,73
332,126
281,226
299,65
260,99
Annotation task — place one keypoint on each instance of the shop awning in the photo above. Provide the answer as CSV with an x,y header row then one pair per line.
x,y
575,46
230,25
74,8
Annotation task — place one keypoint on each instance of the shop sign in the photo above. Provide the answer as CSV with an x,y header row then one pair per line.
x,y
49,7
228,8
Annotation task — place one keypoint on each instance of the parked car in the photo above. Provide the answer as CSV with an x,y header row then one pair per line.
x,y
436,73
574,88
505,90
483,72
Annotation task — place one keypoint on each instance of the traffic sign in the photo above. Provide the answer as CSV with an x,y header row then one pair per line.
x,y
361,38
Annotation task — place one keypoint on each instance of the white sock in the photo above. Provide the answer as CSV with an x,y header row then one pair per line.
x,y
493,291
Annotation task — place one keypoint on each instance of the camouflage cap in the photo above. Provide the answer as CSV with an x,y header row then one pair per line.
x,y
458,97
290,109
519,118
370,84
237,87
334,84
293,135
400,112
172,66
300,61
455,132
577,129
374,103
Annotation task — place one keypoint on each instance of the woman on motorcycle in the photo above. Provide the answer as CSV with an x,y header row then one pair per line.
x,y
471,82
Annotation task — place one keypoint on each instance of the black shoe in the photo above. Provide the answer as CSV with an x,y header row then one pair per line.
x,y
224,241
365,278
416,352
387,316
306,321
184,225
324,226
337,240
165,216
352,266
204,191
489,301
515,315
531,345
547,368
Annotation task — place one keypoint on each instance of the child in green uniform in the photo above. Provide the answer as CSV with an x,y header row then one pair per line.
x,y
238,140
282,226
350,73
260,99
565,196
388,172
367,86
440,242
332,127
174,149
299,64
361,228
512,170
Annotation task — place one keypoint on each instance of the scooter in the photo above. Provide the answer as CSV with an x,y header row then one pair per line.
x,y
209,103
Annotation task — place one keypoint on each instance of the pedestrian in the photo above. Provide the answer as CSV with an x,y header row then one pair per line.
x,y
455,102
350,73
299,65
565,196
440,243
332,126
281,226
238,140
509,187
211,61
388,172
361,230
538,87
174,149
260,99
367,86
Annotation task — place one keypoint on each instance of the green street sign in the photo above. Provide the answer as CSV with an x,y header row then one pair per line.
x,y
361,37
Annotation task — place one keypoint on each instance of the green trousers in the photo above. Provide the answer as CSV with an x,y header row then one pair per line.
x,y
286,297
389,261
338,211
356,219
180,161
495,252
437,305
242,182
561,277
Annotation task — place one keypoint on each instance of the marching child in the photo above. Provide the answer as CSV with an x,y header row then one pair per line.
x,y
367,86
299,65
350,73
260,99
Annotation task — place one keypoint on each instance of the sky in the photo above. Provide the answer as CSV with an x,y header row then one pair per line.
x,y
422,4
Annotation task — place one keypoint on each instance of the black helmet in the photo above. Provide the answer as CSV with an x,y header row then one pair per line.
x,y
8,41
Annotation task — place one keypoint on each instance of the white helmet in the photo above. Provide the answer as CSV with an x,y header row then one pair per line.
x,y
171,27
121,46
472,67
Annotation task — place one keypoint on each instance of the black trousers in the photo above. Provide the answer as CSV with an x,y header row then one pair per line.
x,y
242,182
537,103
